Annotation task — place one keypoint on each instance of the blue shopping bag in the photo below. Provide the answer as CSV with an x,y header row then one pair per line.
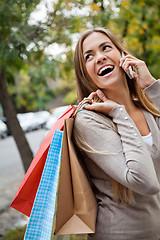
x,y
41,219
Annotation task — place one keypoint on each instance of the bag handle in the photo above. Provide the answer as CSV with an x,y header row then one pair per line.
x,y
81,105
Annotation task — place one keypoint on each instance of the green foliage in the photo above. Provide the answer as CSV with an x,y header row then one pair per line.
x,y
18,234
27,68
14,30
15,234
136,23
71,237
30,72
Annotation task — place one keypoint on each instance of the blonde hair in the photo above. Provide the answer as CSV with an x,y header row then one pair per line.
x,y
85,86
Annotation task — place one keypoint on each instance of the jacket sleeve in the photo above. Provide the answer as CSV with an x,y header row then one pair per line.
x,y
123,155
153,91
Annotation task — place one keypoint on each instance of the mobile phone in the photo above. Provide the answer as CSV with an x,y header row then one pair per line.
x,y
130,74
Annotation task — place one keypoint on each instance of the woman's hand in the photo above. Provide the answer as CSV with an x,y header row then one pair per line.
x,y
104,107
143,76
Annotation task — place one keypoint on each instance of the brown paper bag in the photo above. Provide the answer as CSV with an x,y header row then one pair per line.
x,y
76,206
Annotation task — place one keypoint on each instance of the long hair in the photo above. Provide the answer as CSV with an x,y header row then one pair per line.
x,y
84,83
85,86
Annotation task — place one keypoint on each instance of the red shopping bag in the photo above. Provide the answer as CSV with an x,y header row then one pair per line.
x,y
24,198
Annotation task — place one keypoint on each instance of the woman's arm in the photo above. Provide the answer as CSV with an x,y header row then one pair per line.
x,y
142,76
124,156
153,91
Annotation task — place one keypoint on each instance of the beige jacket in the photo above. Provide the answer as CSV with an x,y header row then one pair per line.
x,y
125,157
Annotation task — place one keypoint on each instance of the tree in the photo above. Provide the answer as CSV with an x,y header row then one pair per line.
x,y
14,38
16,35
133,21
32,89
136,24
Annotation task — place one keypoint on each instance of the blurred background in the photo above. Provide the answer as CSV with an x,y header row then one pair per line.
x,y
37,82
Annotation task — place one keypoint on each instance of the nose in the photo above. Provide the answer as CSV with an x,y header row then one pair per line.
x,y
100,58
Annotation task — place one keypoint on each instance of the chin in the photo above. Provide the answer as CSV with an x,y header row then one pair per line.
x,y
108,83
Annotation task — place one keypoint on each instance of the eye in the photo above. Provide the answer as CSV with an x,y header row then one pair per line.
x,y
106,47
88,57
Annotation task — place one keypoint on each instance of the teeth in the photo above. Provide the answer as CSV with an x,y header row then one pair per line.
x,y
104,68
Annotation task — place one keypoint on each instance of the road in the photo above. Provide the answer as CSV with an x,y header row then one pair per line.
x,y
11,175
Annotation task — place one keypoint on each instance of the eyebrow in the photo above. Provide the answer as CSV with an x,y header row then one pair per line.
x,y
101,45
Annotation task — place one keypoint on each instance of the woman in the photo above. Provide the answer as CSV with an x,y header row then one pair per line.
x,y
118,137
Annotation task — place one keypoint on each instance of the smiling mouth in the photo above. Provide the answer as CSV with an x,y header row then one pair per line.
x,y
105,70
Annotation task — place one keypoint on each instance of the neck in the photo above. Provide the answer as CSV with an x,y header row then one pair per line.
x,y
121,96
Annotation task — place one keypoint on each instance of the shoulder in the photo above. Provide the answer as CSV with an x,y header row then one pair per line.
x,y
93,120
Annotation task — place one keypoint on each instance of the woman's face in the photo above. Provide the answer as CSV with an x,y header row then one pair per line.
x,y
102,60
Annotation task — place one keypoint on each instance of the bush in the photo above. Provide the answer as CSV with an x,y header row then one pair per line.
x,y
15,234
18,234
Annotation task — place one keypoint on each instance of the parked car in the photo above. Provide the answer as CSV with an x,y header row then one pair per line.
x,y
57,112
33,121
42,117
26,121
3,129
4,120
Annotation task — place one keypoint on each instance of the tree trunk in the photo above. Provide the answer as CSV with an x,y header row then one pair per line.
x,y
13,123
144,42
125,30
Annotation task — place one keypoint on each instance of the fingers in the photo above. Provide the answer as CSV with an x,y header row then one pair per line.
x,y
129,60
92,95
89,107
101,95
129,57
135,75
89,99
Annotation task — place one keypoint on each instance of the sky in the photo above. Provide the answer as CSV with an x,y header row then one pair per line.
x,y
40,14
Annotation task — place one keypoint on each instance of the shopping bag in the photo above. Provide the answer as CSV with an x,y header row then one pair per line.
x,y
76,204
41,219
24,198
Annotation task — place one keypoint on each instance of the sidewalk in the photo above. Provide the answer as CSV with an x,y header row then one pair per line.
x,y
11,176
9,217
